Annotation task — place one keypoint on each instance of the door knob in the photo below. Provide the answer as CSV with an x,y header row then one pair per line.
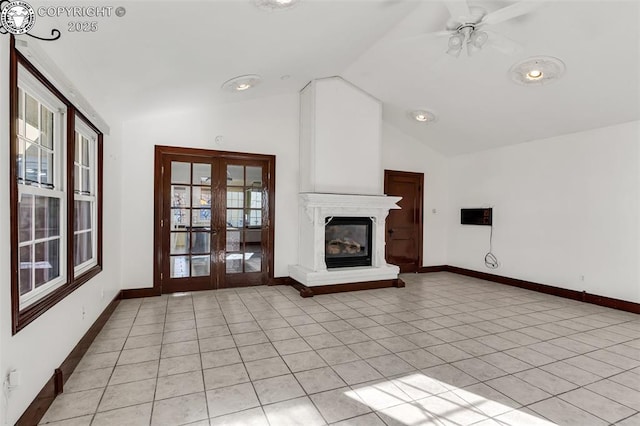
x,y
391,231
214,231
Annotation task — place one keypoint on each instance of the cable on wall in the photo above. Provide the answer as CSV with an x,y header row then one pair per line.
x,y
490,260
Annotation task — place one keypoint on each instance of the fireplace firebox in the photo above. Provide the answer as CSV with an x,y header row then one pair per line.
x,y
348,242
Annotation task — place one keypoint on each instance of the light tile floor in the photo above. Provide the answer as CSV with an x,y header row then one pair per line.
x,y
445,350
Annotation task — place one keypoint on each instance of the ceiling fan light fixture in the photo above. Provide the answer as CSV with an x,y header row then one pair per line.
x,y
242,83
478,38
422,116
272,5
456,41
537,71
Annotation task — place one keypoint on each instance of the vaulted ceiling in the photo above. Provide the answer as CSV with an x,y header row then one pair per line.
x,y
166,55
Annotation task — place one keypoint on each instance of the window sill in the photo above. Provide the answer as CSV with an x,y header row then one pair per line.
x,y
32,312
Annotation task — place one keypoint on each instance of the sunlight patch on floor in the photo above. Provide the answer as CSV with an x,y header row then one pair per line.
x,y
417,399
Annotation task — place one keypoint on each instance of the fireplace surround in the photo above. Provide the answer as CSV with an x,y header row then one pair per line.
x,y
314,209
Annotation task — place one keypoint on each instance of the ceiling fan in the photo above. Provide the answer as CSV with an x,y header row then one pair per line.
x,y
467,26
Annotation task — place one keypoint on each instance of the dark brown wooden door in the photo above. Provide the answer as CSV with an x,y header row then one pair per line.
x,y
404,226
216,211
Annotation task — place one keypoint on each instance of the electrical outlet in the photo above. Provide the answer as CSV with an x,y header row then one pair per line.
x,y
84,312
102,293
581,277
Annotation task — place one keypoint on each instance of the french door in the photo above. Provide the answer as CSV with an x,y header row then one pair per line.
x,y
216,210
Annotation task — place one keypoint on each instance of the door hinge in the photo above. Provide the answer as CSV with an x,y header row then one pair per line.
x,y
161,275
161,223
162,170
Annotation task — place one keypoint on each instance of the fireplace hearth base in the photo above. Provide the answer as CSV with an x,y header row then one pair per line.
x,y
339,288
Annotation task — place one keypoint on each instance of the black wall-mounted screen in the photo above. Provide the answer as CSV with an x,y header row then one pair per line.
x,y
476,216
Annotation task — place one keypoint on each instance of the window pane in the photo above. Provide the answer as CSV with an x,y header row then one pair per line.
x,y
179,218
77,148
76,178
200,242
253,262
180,172
179,266
47,262
233,263
255,199
201,196
82,248
235,197
201,174
235,218
32,162
25,269
254,176
180,196
85,152
253,238
25,219
255,217
46,127
179,243
86,181
47,219
199,266
20,112
46,168
82,215
201,217
20,159
235,175
32,112
233,240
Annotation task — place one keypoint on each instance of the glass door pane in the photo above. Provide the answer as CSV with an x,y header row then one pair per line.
x,y
191,220
244,213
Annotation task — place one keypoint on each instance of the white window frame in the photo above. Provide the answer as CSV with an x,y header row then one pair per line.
x,y
31,85
84,130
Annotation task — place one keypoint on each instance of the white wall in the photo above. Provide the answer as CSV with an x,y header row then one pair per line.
x,y
263,126
564,207
405,153
42,346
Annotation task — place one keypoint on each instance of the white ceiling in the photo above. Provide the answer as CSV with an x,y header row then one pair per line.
x,y
163,55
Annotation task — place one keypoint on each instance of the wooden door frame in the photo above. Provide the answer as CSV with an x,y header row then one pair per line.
x,y
158,203
420,176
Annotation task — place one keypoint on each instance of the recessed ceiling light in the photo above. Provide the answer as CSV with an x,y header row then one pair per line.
x,y
534,74
242,83
275,4
422,116
537,71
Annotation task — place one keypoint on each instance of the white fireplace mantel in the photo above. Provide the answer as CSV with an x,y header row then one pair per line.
x,y
347,205
315,210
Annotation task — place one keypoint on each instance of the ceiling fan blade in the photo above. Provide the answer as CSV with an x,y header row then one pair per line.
x,y
419,37
408,42
503,44
458,9
510,12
